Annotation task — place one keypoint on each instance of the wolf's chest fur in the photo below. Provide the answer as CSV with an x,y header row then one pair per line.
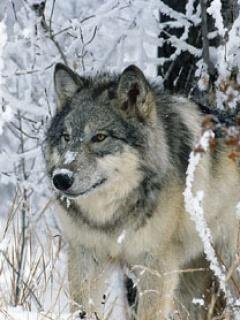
x,y
133,233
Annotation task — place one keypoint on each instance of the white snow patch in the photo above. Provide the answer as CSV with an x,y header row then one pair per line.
x,y
238,210
115,306
68,203
6,114
4,244
18,313
198,301
70,157
121,238
63,171
3,41
215,11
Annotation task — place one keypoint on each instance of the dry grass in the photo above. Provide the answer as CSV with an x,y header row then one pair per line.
x,y
32,260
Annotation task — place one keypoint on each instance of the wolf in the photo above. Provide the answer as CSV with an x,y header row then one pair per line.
x,y
118,150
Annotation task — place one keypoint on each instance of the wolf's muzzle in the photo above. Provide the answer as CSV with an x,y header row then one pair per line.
x,y
62,181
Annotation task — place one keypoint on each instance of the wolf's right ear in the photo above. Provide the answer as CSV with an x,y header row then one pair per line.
x,y
66,83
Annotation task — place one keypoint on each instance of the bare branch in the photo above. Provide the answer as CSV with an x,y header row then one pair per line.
x,y
39,10
204,25
38,304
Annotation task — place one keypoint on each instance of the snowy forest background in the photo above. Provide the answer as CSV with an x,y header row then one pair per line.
x,y
189,46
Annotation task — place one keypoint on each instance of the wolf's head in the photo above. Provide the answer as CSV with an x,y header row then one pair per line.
x,y
102,134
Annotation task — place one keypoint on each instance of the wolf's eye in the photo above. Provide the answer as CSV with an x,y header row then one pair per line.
x,y
99,137
66,137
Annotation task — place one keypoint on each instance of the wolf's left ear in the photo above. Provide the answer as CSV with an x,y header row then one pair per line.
x,y
66,82
134,93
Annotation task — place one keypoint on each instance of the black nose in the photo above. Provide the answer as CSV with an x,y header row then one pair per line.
x,y
62,181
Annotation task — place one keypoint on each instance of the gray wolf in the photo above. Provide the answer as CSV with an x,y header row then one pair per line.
x,y
118,150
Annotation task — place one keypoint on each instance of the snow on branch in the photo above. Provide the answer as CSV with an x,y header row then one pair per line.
x,y
180,17
194,207
6,113
184,46
215,11
3,41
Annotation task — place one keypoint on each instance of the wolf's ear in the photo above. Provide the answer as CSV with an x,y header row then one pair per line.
x,y
66,82
134,93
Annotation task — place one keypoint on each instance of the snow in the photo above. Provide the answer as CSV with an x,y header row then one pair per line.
x,y
18,313
181,18
3,41
116,301
68,202
198,301
70,157
215,10
183,46
194,207
6,113
238,211
121,237
62,171
4,244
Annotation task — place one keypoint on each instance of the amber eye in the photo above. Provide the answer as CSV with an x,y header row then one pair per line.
x,y
98,137
66,137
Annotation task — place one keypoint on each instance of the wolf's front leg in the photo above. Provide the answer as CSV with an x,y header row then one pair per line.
x,y
86,274
155,293
97,287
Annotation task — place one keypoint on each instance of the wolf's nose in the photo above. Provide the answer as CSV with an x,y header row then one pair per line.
x,y
62,181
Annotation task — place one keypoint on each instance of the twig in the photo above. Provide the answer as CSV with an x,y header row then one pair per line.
x,y
51,16
11,213
48,28
85,44
23,132
23,216
14,10
204,25
48,104
165,274
62,31
87,18
38,304
51,35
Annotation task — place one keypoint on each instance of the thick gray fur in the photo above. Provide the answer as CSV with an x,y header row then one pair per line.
x,y
132,181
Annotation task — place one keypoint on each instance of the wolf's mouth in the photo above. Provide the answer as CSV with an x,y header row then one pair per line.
x,y
94,186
